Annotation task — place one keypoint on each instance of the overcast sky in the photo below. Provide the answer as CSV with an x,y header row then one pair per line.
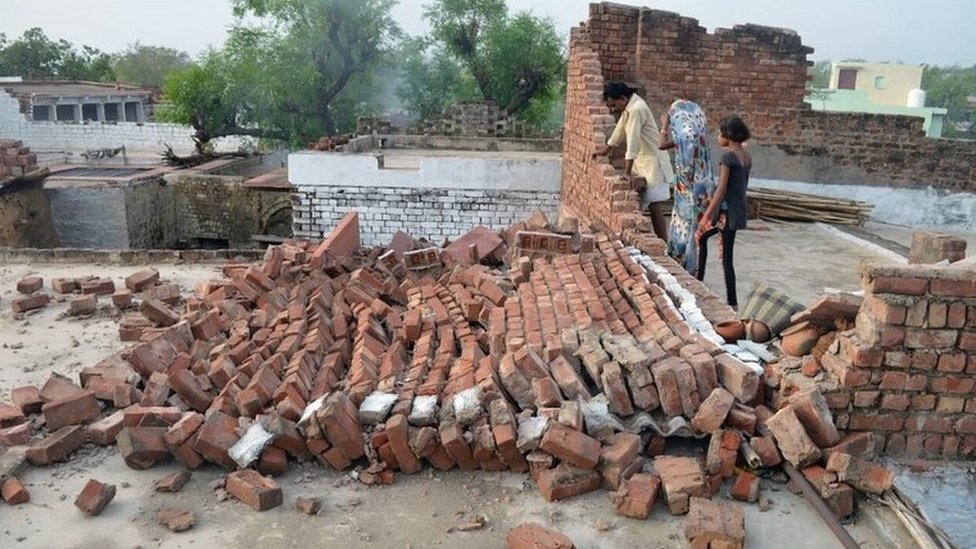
x,y
914,31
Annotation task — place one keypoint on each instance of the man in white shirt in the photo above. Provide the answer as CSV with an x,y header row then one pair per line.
x,y
648,167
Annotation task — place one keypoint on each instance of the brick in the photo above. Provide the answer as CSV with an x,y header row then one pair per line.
x,y
30,284
29,303
566,481
339,418
797,447
859,473
308,506
84,305
571,446
637,495
176,520
856,444
74,410
104,431
343,241
215,438
531,535
57,446
65,285
723,450
157,312
616,457
11,416
397,431
142,447
812,411
13,491
172,483
273,462
16,435
208,326
715,524
254,490
963,287
839,497
682,478
98,286
745,487
141,280
740,379
767,451
713,411
27,399
95,497
122,298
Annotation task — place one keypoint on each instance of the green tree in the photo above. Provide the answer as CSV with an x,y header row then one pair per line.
x,y
950,88
515,60
148,65
302,70
431,80
34,55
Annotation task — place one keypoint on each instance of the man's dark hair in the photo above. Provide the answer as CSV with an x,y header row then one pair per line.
x,y
734,129
616,90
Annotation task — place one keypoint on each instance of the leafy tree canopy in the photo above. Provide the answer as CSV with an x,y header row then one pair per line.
x,y
148,66
34,55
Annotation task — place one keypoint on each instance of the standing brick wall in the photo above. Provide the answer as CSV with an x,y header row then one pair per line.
x,y
907,372
435,214
758,72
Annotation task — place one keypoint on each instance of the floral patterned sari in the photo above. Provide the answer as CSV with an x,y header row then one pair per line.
x,y
694,183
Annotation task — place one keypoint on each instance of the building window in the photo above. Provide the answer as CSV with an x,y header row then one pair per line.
x,y
89,111
847,79
879,82
132,111
111,112
42,113
65,113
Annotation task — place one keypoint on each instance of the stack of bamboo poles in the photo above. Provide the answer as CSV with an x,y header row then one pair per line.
x,y
793,206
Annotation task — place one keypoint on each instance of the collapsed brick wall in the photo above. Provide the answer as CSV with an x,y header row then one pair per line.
x,y
907,372
435,214
758,72
15,159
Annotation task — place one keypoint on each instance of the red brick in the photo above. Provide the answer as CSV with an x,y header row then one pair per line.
x,y
956,315
29,303
616,457
343,241
884,312
57,446
767,451
65,285
897,285
122,298
215,438
98,286
738,378
104,431
838,497
636,496
531,535
84,305
452,438
715,525
339,419
182,430
682,478
745,487
139,281
27,399
158,312
897,402
571,446
565,481
952,363
397,430
176,520
308,506
257,492
965,287
955,385
30,284
14,492
185,385
151,416
74,410
273,462
860,473
17,435
713,411
966,426
967,341
812,411
142,447
208,326
723,450
171,483
793,441
95,497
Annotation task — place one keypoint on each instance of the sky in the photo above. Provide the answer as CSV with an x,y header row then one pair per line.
x,y
938,32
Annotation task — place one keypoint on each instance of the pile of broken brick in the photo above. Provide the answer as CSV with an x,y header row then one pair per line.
x,y
573,361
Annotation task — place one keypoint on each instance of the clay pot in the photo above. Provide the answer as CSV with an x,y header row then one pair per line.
x,y
731,330
799,339
757,331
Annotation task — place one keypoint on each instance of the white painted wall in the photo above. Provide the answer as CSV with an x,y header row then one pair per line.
x,y
521,172
137,138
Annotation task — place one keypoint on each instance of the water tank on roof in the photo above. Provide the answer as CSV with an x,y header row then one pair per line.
x,y
916,98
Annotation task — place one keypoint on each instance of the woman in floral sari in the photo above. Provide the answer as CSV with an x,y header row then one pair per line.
x,y
685,128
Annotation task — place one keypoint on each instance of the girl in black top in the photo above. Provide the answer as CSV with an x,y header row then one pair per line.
x,y
726,212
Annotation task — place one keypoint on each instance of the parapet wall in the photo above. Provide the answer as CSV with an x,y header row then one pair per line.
x,y
907,372
757,72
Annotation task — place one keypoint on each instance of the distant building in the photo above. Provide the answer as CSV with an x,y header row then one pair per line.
x,y
878,88
78,102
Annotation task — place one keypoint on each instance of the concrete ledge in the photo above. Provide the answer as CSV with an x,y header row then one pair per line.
x,y
124,257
